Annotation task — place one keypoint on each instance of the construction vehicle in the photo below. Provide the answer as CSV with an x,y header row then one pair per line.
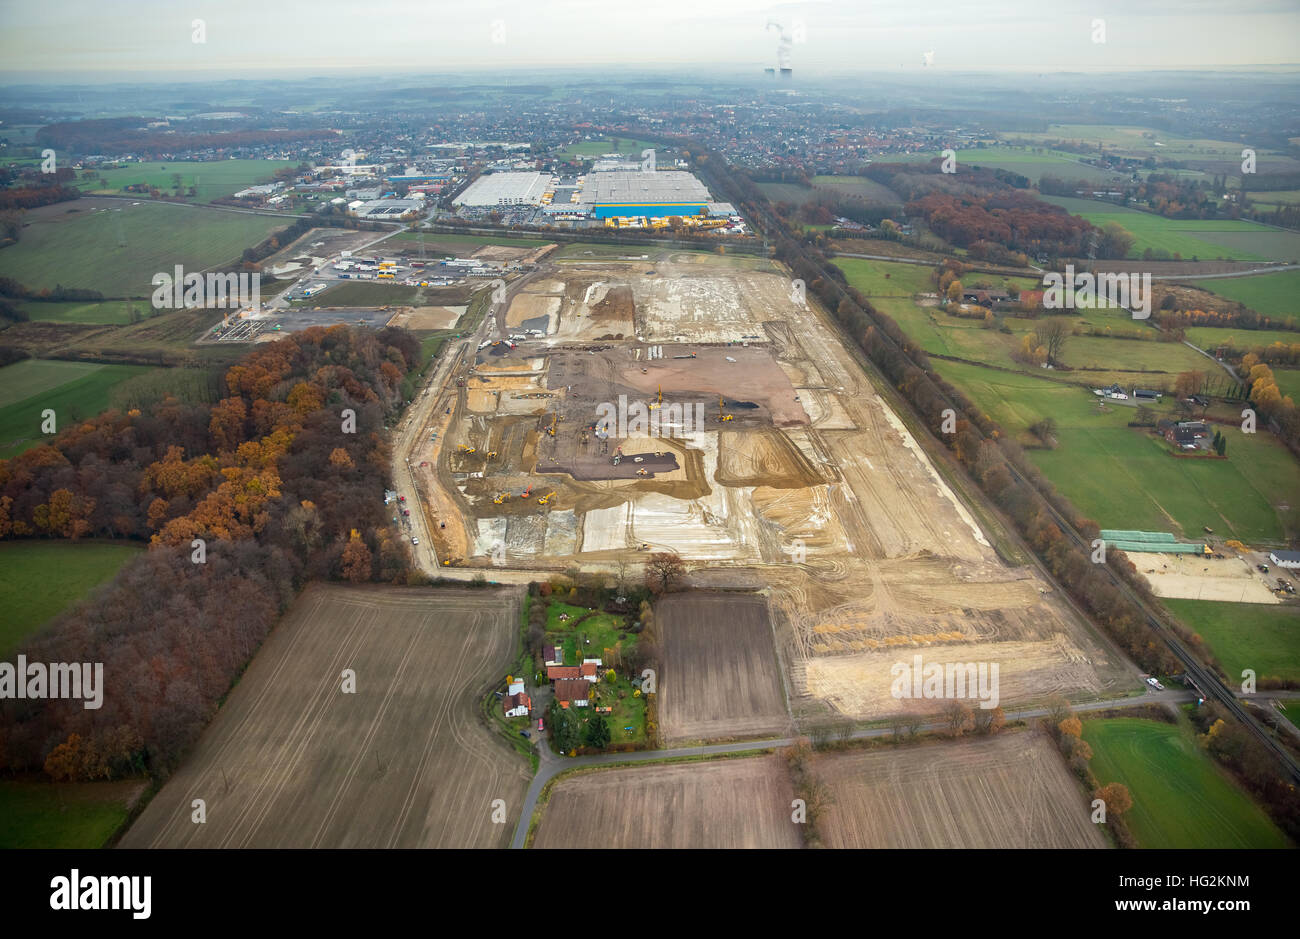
x,y
465,449
642,472
527,492
546,498
555,418
722,414
659,402
501,497
491,455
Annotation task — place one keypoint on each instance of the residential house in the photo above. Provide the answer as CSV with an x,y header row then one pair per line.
x,y
517,703
573,693
1185,434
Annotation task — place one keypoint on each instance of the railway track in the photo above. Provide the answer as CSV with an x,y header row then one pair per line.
x,y
1203,679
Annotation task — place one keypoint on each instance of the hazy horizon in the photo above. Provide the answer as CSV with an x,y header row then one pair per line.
x,y
155,40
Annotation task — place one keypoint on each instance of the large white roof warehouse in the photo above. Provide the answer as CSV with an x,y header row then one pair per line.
x,y
636,187
505,189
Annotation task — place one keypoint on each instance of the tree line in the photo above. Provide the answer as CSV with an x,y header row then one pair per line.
x,y
241,502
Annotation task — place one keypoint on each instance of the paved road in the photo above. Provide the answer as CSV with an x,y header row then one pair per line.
x,y
551,765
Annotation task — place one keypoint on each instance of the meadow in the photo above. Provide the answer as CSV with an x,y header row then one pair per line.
x,y
117,246
589,149
1033,163
73,390
95,312
1180,798
1123,477
1276,295
63,815
211,180
1189,238
1246,635
40,579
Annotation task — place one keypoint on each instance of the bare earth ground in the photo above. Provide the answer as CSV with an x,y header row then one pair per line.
x,y
813,488
720,676
1189,577
405,762
1009,791
428,317
737,803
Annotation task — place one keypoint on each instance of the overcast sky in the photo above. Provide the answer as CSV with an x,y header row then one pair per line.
x,y
248,38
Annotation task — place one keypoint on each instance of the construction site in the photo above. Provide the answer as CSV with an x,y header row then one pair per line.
x,y
692,403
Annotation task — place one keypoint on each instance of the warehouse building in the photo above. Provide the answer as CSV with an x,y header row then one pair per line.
x,y
505,189
649,195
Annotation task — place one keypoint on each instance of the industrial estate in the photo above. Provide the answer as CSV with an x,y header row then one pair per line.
x,y
693,468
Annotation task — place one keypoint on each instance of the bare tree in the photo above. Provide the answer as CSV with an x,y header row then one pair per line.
x,y
663,570
989,720
959,717
1051,333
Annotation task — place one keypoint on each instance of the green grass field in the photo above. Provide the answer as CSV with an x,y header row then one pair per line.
x,y
1033,163
589,149
1276,295
1211,337
1246,635
1291,711
1123,477
40,579
1180,798
212,180
117,250
63,815
1288,382
1189,238
887,278
1273,198
830,187
1140,142
73,390
97,313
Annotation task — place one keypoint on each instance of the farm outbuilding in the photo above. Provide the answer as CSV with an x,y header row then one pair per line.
x,y
1287,559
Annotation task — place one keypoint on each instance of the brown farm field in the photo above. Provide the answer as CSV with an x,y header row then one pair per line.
x,y
720,675
405,762
737,803
1009,791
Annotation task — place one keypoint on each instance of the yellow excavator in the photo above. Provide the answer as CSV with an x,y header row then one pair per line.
x,y
555,417
546,498
465,449
722,415
660,401
502,497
